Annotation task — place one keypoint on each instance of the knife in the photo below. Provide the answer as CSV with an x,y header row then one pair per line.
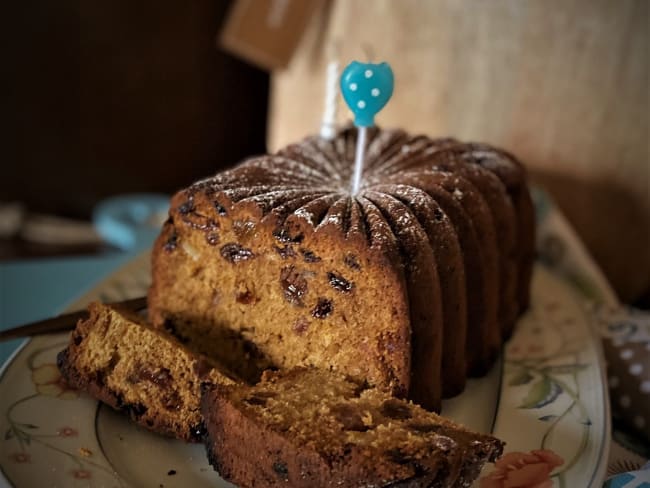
x,y
63,322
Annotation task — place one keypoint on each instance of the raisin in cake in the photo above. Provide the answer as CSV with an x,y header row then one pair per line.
x,y
412,284
115,357
312,428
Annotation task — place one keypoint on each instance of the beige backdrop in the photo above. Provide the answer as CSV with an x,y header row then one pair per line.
x,y
563,84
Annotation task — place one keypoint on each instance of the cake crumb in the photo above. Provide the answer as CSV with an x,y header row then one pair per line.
x,y
85,452
366,418
171,472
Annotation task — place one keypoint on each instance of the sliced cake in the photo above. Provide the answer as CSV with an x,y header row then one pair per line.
x,y
311,428
117,358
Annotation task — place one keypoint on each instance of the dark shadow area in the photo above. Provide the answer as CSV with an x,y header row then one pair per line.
x,y
117,97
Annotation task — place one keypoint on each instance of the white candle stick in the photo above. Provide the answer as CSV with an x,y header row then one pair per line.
x,y
328,123
358,160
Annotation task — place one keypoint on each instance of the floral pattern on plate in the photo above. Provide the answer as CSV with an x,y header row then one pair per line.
x,y
523,470
31,437
552,397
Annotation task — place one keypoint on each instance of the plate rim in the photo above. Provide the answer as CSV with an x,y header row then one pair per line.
x,y
4,479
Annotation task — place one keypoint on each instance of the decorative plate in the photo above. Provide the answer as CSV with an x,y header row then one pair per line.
x,y
546,398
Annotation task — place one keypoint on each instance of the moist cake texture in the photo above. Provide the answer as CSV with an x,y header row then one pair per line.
x,y
311,428
118,359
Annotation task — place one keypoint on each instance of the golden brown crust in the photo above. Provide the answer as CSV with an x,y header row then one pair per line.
x,y
447,253
481,282
425,301
514,177
456,159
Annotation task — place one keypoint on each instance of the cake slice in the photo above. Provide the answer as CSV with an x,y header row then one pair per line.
x,y
311,428
117,358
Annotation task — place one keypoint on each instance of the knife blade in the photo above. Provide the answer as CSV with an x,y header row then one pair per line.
x,y
64,322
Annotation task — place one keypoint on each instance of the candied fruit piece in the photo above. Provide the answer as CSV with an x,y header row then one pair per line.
x,y
323,308
234,253
294,285
339,283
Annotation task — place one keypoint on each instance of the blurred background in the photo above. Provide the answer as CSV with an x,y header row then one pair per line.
x,y
118,97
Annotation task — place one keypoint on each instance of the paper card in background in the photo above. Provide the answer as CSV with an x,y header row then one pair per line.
x,y
266,32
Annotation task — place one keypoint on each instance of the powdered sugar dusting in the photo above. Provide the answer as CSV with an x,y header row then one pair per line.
x,y
333,219
309,181
305,214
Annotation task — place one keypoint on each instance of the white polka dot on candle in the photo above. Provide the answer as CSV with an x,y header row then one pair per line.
x,y
639,422
645,387
636,369
353,86
375,92
368,73
627,354
614,381
624,401
361,104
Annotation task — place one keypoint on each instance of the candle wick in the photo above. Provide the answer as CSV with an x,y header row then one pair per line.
x,y
358,160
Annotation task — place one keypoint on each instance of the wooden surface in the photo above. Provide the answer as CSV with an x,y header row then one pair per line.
x,y
562,84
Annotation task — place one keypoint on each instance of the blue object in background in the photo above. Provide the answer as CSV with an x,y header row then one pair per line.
x,y
131,222
37,289
632,479
366,88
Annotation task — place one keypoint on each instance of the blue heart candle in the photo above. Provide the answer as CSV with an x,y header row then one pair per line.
x,y
366,89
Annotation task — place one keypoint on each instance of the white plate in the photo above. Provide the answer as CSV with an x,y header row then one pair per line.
x,y
547,392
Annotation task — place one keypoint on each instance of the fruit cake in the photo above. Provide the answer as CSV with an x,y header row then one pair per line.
x,y
412,284
118,359
312,428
